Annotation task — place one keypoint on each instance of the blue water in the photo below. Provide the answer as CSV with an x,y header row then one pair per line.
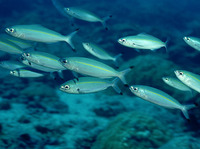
x,y
34,113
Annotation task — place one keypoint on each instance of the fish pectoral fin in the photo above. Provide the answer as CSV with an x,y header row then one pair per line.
x,y
82,91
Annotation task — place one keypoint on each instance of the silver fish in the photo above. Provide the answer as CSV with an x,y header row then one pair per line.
x,y
99,52
176,83
26,73
93,68
11,65
85,85
86,15
9,47
44,59
142,41
160,98
188,78
24,44
39,33
193,42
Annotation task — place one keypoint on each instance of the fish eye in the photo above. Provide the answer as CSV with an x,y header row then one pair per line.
x,y
27,54
87,44
166,79
67,9
64,61
12,30
135,88
123,40
181,73
12,72
67,87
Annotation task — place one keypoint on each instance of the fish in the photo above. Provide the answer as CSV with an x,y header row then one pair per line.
x,y
90,67
36,66
142,41
24,44
11,65
10,47
26,73
39,33
85,85
160,98
99,52
194,42
86,15
176,83
188,78
44,59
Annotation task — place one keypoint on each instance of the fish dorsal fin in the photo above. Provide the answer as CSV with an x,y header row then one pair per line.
x,y
144,34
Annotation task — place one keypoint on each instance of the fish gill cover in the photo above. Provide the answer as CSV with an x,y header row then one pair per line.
x,y
49,99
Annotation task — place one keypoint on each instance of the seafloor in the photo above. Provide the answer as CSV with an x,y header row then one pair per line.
x,y
34,114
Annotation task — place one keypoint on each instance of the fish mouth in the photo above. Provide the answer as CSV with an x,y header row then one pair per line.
x,y
176,72
7,30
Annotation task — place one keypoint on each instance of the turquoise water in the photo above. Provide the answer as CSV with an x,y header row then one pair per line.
x,y
35,114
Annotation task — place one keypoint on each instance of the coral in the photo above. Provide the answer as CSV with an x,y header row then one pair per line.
x,y
133,131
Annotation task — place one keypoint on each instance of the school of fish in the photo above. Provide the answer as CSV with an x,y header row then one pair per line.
x,y
97,76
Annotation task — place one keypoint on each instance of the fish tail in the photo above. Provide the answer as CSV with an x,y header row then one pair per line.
x,y
185,108
166,44
115,86
116,58
59,7
104,21
69,41
123,73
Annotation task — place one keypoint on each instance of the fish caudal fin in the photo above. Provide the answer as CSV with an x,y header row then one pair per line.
x,y
69,41
123,73
166,45
116,58
185,108
115,86
104,21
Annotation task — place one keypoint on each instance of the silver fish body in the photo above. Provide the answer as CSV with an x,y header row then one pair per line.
x,y
159,97
85,85
26,73
11,65
36,66
93,68
99,52
9,47
194,42
142,41
24,44
188,78
44,59
176,83
39,33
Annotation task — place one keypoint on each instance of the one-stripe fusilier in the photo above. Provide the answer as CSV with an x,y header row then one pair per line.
x,y
99,52
188,78
24,44
85,15
11,65
39,33
85,85
193,42
160,98
27,73
176,83
142,41
93,68
9,47
44,59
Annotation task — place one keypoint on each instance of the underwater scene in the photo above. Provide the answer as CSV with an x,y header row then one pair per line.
x,y
83,74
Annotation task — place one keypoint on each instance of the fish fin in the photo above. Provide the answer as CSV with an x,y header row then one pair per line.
x,y
75,74
60,74
115,86
123,73
116,58
166,44
185,108
104,21
143,34
69,41
137,50
82,91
